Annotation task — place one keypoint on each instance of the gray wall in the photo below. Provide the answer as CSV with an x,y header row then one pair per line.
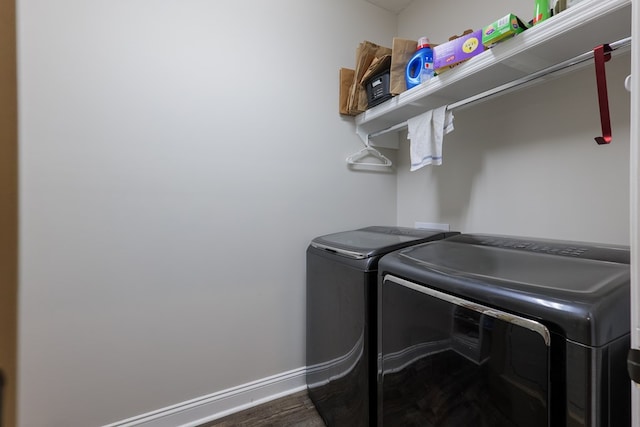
x,y
176,157
526,163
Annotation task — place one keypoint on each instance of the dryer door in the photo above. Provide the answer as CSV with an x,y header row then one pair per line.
x,y
451,362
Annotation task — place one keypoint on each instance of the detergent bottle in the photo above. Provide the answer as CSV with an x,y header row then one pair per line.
x,y
420,66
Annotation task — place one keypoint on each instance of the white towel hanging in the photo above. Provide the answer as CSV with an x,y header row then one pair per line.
x,y
368,151
426,132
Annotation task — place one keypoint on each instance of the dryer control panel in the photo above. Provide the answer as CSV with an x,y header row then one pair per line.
x,y
551,247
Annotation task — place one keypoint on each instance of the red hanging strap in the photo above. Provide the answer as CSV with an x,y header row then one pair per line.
x,y
601,55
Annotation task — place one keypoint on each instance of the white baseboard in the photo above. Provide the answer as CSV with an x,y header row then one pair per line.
x,y
211,407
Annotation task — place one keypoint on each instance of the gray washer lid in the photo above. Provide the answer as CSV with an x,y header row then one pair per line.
x,y
580,290
375,240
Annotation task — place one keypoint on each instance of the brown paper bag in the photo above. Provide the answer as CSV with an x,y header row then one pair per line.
x,y
365,54
402,51
352,100
378,66
346,80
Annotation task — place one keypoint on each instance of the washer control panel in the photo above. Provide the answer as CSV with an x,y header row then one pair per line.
x,y
594,251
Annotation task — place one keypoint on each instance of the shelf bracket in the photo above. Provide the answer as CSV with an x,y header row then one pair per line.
x,y
601,55
364,136
384,138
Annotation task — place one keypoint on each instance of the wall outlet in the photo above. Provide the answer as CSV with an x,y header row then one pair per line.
x,y
433,226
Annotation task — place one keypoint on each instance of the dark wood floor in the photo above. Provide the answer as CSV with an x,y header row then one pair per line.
x,y
295,410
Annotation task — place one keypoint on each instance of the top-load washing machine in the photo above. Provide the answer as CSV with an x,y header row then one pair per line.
x,y
342,271
480,330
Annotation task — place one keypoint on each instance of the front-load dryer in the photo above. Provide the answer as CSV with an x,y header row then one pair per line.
x,y
495,331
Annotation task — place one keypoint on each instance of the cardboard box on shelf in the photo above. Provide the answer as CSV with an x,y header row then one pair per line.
x,y
457,50
505,27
